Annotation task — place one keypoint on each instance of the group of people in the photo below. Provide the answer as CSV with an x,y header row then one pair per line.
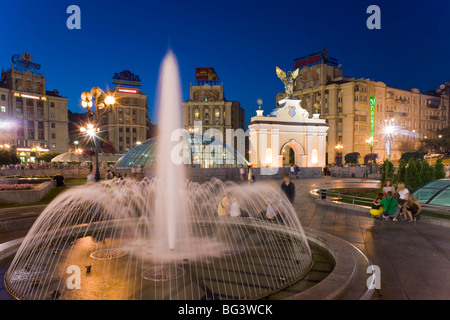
x,y
393,203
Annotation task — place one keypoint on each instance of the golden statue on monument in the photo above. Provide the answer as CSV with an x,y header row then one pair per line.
x,y
288,80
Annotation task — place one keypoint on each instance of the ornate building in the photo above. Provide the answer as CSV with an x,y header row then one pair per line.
x,y
208,106
32,119
357,110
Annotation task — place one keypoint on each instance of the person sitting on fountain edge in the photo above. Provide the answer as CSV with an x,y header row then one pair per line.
x,y
288,188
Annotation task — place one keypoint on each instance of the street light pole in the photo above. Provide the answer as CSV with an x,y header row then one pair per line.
x,y
90,130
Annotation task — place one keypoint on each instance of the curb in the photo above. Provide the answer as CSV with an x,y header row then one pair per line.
x,y
358,208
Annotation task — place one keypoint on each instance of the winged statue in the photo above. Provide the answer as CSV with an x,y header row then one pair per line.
x,y
288,80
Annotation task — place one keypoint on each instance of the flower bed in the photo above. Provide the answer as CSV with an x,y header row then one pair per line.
x,y
9,187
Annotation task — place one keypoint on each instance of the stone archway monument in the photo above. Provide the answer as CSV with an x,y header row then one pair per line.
x,y
287,127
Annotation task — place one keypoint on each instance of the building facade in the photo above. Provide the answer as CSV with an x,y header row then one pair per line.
x,y
358,111
287,136
32,119
125,123
207,105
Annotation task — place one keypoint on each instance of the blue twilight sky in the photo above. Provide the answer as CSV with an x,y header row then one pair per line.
x,y
243,41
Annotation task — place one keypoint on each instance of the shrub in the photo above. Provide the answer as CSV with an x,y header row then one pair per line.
x,y
439,172
412,155
352,158
25,186
412,176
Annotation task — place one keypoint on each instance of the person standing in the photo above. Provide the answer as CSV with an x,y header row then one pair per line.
x,y
242,173
251,176
288,188
292,171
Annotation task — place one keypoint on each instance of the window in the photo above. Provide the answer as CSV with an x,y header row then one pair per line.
x,y
134,130
120,129
40,104
53,136
40,125
120,139
52,115
41,135
53,145
53,125
3,97
340,110
30,103
3,109
19,101
127,130
30,111
128,140
52,104
40,112
207,115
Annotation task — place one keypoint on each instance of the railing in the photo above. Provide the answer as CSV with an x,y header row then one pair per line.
x,y
339,197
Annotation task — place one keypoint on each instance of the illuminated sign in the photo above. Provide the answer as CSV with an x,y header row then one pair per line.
x,y
315,58
126,78
127,90
16,94
372,118
24,62
206,74
30,97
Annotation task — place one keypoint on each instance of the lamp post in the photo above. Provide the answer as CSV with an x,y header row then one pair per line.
x,y
91,129
339,148
370,142
390,129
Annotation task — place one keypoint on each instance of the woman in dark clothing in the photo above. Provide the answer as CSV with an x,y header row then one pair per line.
x,y
288,188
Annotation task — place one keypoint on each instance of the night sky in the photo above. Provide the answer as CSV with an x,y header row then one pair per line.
x,y
242,40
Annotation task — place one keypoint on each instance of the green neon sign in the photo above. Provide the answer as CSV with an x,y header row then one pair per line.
x,y
372,118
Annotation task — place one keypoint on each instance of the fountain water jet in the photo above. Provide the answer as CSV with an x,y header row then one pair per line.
x,y
171,215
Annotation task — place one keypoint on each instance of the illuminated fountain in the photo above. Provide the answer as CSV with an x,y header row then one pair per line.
x,y
165,238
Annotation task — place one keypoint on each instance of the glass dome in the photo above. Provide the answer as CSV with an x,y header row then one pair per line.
x,y
203,153
435,193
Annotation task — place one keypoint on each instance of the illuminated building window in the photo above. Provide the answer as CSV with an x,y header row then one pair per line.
x,y
3,109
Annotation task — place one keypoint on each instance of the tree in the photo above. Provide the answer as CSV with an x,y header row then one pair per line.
x,y
412,155
8,157
426,172
387,171
401,170
107,148
412,176
439,172
370,157
352,157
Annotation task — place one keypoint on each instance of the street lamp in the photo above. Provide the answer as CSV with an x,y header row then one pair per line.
x,y
370,142
90,129
339,148
390,129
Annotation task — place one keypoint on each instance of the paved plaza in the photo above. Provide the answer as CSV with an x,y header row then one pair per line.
x,y
414,259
